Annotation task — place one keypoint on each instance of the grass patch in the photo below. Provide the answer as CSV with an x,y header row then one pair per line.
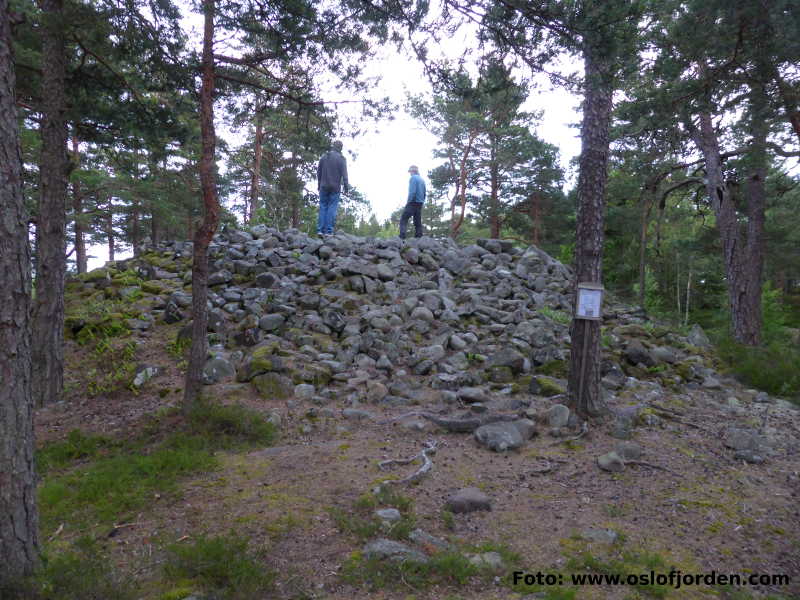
x,y
223,565
626,563
112,487
76,446
78,574
130,474
178,347
448,520
445,568
363,523
230,426
559,316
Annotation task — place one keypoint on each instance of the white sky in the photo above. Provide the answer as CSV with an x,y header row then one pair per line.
x,y
378,161
380,167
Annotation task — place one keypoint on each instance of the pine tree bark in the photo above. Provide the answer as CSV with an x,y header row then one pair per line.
x,y
584,377
742,246
19,537
77,213
256,175
647,205
51,242
204,234
110,229
494,193
535,214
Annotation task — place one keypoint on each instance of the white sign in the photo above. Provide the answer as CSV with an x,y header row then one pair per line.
x,y
590,301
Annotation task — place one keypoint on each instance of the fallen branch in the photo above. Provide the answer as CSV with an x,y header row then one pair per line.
x,y
427,465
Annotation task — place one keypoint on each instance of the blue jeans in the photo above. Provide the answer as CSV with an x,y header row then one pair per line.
x,y
328,205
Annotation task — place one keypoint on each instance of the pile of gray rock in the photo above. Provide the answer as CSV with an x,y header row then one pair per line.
x,y
423,322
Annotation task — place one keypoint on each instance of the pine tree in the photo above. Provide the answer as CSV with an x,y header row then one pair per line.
x,y
19,535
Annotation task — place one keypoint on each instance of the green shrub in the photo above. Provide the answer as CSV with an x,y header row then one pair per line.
x,y
774,368
230,426
219,564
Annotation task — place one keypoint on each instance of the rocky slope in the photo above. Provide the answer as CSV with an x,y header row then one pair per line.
x,y
400,341
423,322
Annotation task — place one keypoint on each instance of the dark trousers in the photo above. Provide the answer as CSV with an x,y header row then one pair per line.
x,y
412,209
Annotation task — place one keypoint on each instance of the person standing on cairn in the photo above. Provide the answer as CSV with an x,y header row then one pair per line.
x,y
413,209
331,178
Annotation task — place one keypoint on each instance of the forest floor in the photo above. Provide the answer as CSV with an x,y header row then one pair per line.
x,y
304,505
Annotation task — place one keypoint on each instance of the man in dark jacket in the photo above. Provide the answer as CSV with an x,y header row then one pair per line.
x,y
331,177
413,209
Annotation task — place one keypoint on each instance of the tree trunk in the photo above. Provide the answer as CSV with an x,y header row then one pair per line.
x,y
202,239
584,377
791,102
535,214
461,189
494,201
110,229
647,206
51,241
19,521
678,283
296,197
135,227
688,293
77,213
742,248
256,175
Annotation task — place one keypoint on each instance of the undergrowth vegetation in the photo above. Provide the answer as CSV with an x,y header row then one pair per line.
x,y
91,483
221,565
774,366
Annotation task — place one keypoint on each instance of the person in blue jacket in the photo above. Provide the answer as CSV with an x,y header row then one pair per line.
x,y
413,209
331,178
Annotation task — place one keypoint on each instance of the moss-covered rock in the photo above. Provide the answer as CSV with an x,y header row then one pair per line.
x,y
96,275
685,370
500,374
273,386
153,287
554,368
325,343
313,373
546,386
126,278
263,359
521,384
111,326
164,261
631,330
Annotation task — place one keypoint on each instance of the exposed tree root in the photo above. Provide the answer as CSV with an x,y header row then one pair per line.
x,y
670,415
583,432
427,465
